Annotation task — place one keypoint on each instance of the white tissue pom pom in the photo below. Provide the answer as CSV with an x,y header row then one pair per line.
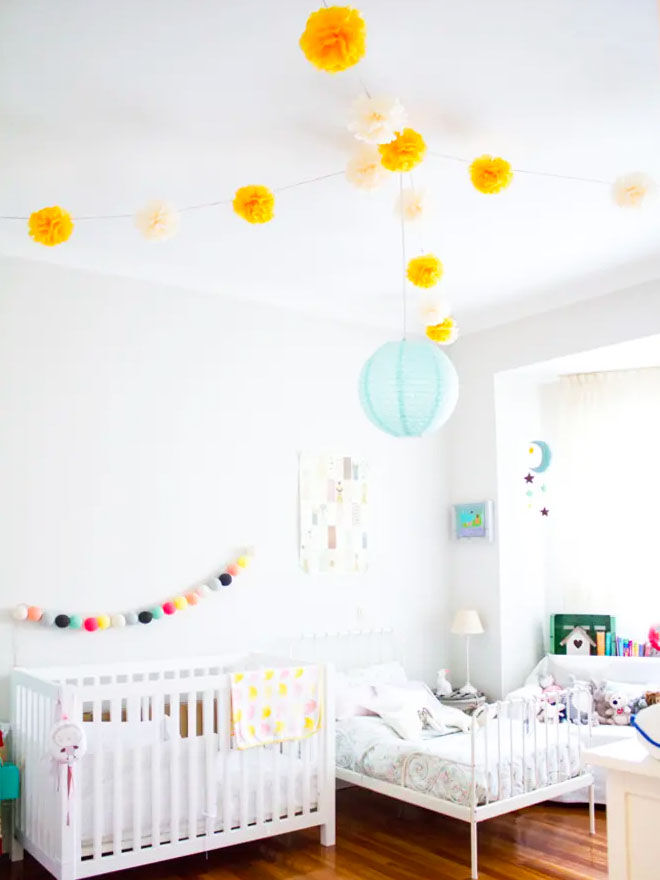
x,y
20,612
364,169
157,221
412,205
376,120
118,620
433,309
131,618
632,190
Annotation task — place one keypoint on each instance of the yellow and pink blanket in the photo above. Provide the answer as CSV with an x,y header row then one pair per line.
x,y
274,705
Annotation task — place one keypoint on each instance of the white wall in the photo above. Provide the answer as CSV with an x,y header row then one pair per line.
x,y
148,432
485,576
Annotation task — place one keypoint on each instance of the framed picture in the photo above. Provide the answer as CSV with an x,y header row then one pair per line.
x,y
473,520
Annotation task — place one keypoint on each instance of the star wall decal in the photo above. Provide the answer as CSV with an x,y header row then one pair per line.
x,y
529,478
544,511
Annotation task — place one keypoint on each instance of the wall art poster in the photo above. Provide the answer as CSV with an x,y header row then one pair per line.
x,y
333,509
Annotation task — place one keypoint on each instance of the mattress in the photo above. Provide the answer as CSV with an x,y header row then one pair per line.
x,y
440,766
242,773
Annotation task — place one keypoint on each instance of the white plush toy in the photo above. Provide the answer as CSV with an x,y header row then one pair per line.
x,y
67,742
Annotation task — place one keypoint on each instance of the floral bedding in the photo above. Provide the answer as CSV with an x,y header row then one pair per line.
x,y
440,766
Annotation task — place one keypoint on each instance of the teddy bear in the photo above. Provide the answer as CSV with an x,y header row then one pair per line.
x,y
617,710
652,697
551,705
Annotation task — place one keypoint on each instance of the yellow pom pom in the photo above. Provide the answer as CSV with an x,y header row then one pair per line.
x,y
334,38
445,332
50,226
404,152
103,621
425,271
180,602
490,175
256,204
243,561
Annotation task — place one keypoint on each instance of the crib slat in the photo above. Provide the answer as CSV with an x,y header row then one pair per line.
x,y
209,761
260,800
487,780
306,765
117,776
224,714
511,753
523,723
134,715
97,780
534,713
193,765
291,749
276,806
244,774
175,768
156,768
499,751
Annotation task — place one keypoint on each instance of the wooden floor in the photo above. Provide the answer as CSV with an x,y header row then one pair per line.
x,y
379,839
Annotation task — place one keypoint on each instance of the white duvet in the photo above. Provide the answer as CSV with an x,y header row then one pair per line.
x,y
440,766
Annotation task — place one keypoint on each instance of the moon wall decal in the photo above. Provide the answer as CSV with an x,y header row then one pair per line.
x,y
546,456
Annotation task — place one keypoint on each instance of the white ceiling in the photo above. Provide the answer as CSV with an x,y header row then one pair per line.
x,y
104,105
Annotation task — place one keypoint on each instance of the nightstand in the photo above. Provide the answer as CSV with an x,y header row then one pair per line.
x,y
467,703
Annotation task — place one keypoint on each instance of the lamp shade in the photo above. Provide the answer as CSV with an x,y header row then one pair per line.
x,y
467,623
408,388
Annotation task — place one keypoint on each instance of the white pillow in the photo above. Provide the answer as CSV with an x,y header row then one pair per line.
x,y
352,699
414,696
404,721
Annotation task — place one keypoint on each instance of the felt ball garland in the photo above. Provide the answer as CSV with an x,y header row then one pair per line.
x,y
34,614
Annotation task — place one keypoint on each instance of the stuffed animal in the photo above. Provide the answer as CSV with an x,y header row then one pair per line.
x,y
652,697
617,711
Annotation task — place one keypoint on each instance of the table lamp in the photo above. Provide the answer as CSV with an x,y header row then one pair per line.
x,y
467,623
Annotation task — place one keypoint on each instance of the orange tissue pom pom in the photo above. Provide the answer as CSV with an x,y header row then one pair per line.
x,y
256,204
50,226
425,271
335,38
490,175
445,332
404,152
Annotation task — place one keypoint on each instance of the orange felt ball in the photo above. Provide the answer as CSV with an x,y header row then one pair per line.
x,y
233,570
192,598
35,613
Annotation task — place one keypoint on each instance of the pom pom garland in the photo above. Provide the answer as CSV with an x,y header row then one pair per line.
x,y
35,614
433,309
632,190
424,271
443,333
364,169
376,120
157,221
335,38
405,152
412,205
490,175
20,612
50,226
256,204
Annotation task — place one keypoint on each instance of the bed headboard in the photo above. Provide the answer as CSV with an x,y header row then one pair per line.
x,y
349,648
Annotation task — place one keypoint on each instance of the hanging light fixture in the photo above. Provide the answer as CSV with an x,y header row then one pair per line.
x,y
410,387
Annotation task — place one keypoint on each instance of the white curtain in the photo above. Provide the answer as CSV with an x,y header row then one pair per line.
x,y
607,501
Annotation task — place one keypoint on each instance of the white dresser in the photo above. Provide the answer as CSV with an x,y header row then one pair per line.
x,y
633,809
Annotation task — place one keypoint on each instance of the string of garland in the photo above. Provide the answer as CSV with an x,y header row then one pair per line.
x,y
334,40
144,615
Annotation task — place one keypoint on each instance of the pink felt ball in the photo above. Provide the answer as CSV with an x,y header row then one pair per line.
x,y
233,570
169,607
91,624
192,598
35,613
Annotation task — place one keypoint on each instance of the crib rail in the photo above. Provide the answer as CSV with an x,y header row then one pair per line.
x,y
524,744
161,777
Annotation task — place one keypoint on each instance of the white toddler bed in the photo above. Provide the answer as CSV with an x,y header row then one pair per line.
x,y
508,760
161,777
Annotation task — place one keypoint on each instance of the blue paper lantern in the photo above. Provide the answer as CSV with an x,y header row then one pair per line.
x,y
408,388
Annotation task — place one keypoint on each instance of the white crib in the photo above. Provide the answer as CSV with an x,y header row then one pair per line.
x,y
160,778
